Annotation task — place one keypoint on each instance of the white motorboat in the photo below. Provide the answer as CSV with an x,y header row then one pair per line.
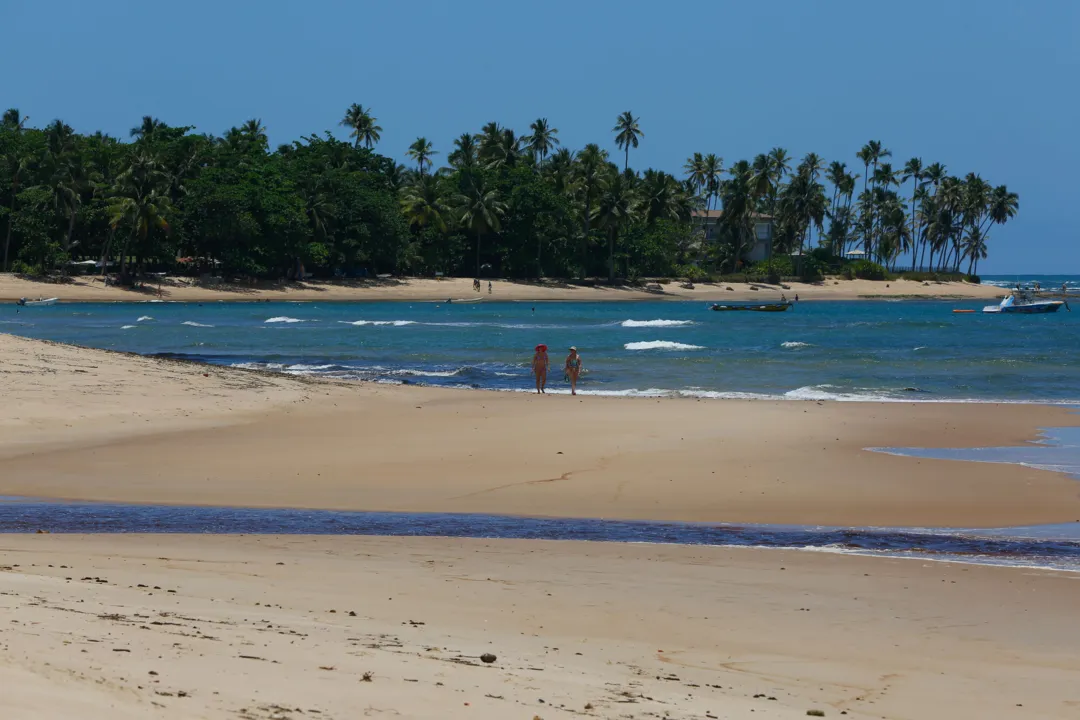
x,y
1021,302
40,302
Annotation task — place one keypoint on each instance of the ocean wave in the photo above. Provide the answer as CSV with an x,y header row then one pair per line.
x,y
301,369
655,323
284,319
144,318
395,323
127,327
194,324
661,345
792,344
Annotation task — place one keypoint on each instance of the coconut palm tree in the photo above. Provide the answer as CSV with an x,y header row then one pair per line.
x,y
146,130
420,152
13,120
363,124
617,205
695,172
481,210
589,180
463,156
913,171
543,140
627,134
503,151
560,171
140,201
425,204
255,133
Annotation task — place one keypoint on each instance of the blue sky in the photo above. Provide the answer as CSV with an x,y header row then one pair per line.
x,y
980,85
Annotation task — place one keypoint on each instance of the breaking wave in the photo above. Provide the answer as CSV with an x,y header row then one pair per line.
x,y
284,319
655,323
194,324
661,345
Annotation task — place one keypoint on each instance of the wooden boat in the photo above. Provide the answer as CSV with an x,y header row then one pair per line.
x,y
23,302
1021,302
750,307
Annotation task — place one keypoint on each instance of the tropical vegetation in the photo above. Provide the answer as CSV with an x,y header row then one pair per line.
x,y
496,203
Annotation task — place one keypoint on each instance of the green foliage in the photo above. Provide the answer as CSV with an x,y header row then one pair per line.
x,y
506,205
772,270
864,270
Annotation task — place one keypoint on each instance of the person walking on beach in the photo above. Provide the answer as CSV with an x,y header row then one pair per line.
x,y
489,287
540,365
573,369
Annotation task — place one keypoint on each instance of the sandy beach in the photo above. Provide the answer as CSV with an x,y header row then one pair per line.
x,y
93,289
94,425
111,627
267,628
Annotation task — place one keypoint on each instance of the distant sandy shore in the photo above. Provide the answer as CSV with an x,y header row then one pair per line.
x,y
92,289
115,627
87,424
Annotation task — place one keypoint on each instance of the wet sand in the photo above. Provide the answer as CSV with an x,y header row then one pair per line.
x,y
288,627
93,289
92,425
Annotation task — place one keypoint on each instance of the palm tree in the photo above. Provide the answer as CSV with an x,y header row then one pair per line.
x,y
421,151
543,140
14,120
424,203
627,134
481,210
590,181
504,150
811,165
617,206
145,131
560,171
695,172
255,132
463,156
363,124
913,170
140,201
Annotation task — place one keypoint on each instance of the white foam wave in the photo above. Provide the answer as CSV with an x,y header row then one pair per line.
x,y
127,327
792,344
194,324
144,318
284,319
661,345
258,366
307,368
655,323
395,323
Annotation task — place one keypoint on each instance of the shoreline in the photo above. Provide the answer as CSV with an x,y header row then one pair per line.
x,y
92,289
86,424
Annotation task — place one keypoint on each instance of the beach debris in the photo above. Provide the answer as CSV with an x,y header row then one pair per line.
x,y
588,706
327,667
352,613
816,713
367,677
488,658
152,672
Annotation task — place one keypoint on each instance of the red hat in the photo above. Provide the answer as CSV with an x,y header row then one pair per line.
x,y
541,347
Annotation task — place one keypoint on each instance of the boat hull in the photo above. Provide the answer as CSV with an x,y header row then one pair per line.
x,y
768,307
38,303
1037,308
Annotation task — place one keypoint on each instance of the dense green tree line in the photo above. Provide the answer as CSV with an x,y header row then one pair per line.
x,y
502,204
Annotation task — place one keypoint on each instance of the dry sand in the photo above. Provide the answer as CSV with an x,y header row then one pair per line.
x,y
93,289
87,424
115,627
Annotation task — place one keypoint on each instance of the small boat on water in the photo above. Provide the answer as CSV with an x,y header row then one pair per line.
x,y
1021,302
750,307
40,302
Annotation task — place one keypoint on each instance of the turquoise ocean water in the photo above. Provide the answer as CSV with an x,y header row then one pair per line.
x,y
869,350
